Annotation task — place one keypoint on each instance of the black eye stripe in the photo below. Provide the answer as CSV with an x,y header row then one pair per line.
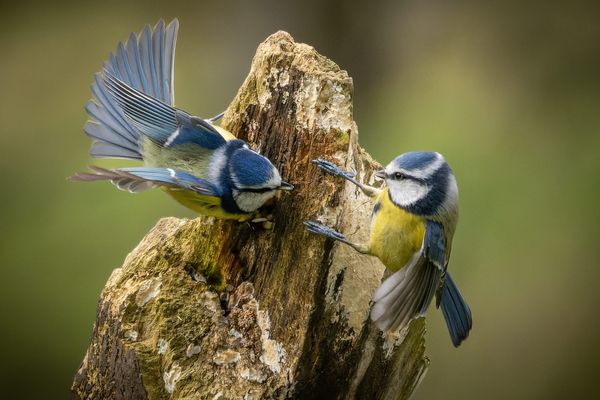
x,y
257,190
398,176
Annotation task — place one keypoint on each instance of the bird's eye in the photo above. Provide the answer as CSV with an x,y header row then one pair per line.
x,y
399,176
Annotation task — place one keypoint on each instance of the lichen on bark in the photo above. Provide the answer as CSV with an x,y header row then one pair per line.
x,y
215,309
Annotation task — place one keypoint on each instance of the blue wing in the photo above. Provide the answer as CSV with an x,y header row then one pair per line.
x,y
144,63
138,179
163,124
134,95
434,244
113,135
153,118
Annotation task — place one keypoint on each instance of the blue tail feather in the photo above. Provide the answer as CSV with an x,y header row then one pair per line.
x,y
456,312
137,179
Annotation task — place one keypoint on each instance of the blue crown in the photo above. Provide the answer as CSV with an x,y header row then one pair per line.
x,y
250,168
415,160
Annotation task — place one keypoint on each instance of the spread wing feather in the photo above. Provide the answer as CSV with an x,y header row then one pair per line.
x,y
144,63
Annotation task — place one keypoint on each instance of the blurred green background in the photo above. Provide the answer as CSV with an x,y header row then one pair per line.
x,y
509,92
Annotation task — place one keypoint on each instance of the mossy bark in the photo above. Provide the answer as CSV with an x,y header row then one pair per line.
x,y
211,309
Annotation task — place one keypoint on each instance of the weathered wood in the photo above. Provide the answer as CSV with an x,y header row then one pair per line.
x,y
210,309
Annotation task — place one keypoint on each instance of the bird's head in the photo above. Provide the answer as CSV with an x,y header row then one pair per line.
x,y
254,179
421,182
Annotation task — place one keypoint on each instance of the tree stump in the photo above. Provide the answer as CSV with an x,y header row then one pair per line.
x,y
211,309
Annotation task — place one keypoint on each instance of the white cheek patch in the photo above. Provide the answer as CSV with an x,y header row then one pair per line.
x,y
407,191
250,201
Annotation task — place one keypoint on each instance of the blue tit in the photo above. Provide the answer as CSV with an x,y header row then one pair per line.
x,y
199,164
412,225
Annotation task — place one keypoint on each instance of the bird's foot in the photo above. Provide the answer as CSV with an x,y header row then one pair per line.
x,y
323,230
333,169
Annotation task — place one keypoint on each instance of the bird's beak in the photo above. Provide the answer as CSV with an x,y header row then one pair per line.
x,y
380,174
285,186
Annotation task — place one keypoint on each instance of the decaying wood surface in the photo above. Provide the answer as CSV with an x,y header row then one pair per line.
x,y
209,309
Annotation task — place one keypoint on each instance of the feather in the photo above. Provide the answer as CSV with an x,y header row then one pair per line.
x,y
434,244
152,117
147,60
157,53
122,59
133,59
104,99
108,125
108,132
407,293
169,57
109,150
409,298
163,124
394,280
143,63
141,178
457,313
171,177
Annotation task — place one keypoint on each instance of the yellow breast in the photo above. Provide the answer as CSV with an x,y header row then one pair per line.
x,y
204,205
395,234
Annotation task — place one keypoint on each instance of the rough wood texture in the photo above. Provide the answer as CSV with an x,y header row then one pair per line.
x,y
210,309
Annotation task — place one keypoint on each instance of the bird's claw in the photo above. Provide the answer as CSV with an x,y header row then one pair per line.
x,y
333,169
323,230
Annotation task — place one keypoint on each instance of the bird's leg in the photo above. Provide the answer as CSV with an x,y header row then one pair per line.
x,y
335,235
334,170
